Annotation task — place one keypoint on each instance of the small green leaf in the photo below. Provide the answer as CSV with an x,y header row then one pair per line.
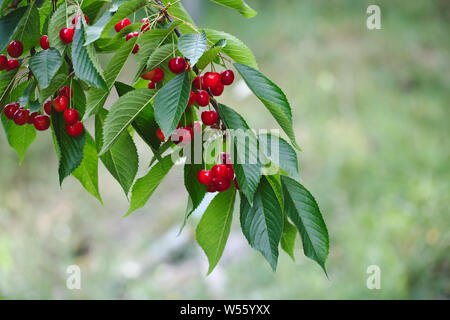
x,y
171,101
262,223
238,5
301,207
87,171
145,186
214,227
271,96
192,46
44,66
288,238
210,55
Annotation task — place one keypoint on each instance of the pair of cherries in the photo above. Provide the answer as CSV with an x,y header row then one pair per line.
x,y
214,81
126,22
15,50
219,178
74,127
22,116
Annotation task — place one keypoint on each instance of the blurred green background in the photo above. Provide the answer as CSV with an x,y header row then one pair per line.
x,y
371,112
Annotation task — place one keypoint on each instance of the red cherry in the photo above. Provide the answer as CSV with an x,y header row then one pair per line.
x,y
225,158
221,184
192,98
217,90
48,107
3,62
209,118
211,188
31,117
152,85
160,135
41,122
236,184
131,35
74,130
60,103
66,91
146,25
227,77
10,110
15,49
211,79
12,64
182,135
177,65
122,24
220,171
71,116
198,82
77,17
202,98
21,116
204,177
156,75
44,43
230,172
66,35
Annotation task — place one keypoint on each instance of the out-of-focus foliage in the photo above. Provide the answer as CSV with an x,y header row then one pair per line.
x,y
371,113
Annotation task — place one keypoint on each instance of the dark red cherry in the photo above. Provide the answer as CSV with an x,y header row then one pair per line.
x,y
230,172
60,103
177,65
71,116
146,25
21,116
15,49
204,177
3,62
227,77
48,107
192,98
202,98
12,64
198,82
66,91
209,118
10,110
122,24
41,122
211,79
217,90
152,85
31,117
74,130
160,135
221,184
77,17
66,35
211,188
155,75
220,171
44,42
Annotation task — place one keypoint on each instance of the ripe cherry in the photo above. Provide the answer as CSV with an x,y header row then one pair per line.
x,y
66,91
204,177
220,171
60,103
3,62
132,35
10,110
221,184
146,25
160,135
66,35
77,17
198,82
192,98
74,130
217,90
182,135
15,49
156,75
152,85
12,64
44,42
122,24
31,117
209,118
202,98
41,122
71,116
177,65
227,77
230,172
211,188
21,116
48,107
210,80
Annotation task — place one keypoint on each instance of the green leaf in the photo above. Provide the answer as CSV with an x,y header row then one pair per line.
x,y
96,96
57,82
177,10
69,149
24,100
6,83
192,46
122,114
234,48
85,63
122,159
210,55
57,22
9,25
284,156
262,223
271,96
28,30
247,167
145,186
87,171
44,65
124,11
19,137
301,207
160,55
94,31
238,5
171,101
195,190
288,238
214,227
79,98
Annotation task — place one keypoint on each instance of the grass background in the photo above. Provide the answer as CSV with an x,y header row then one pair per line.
x,y
371,111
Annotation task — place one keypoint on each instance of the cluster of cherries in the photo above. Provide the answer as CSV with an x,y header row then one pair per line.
x,y
219,178
22,116
125,22
15,50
